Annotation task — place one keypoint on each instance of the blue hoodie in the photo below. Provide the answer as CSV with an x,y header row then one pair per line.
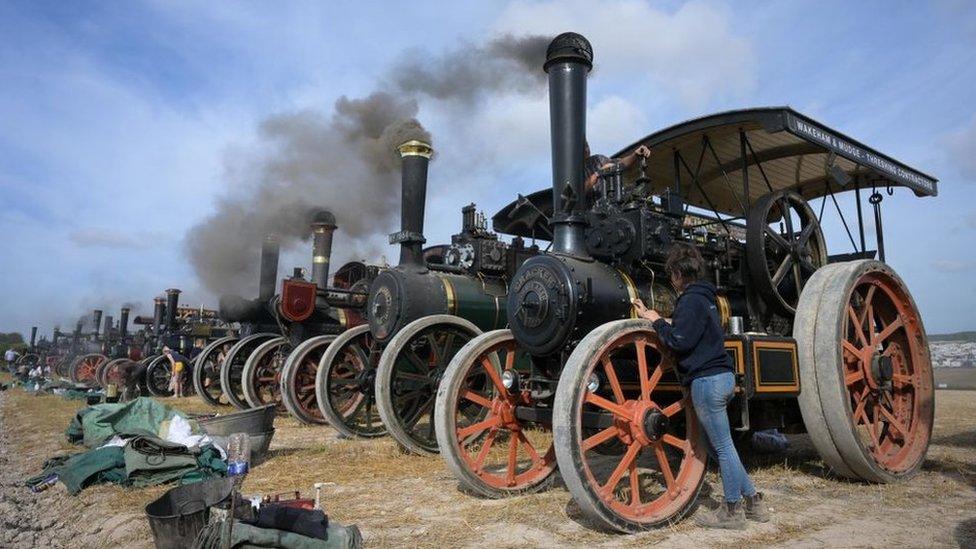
x,y
695,334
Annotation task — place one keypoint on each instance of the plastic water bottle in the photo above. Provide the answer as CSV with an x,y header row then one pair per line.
x,y
48,482
238,456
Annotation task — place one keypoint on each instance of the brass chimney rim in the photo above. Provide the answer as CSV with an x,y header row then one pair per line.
x,y
415,147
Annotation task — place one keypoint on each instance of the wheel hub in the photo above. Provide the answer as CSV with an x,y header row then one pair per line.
x,y
655,424
365,380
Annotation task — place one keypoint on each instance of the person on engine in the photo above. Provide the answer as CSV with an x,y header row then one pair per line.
x,y
596,162
695,335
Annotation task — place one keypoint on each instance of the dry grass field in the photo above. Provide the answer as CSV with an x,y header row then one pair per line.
x,y
407,501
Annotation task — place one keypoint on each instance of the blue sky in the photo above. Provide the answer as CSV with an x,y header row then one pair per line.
x,y
117,120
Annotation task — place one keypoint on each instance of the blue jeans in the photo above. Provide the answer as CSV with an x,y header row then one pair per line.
x,y
710,396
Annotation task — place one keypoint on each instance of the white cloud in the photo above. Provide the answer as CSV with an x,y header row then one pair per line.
x,y
691,52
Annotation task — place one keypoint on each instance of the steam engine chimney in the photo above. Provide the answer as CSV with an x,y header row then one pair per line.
x,y
33,339
108,326
415,157
124,323
172,304
270,250
96,321
159,307
569,59
323,227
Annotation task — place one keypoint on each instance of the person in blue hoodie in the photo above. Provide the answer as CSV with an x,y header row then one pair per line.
x,y
695,335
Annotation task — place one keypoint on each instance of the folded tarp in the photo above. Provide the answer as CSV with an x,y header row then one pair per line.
x,y
251,537
95,425
143,461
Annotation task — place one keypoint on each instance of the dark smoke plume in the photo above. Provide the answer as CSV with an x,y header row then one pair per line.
x,y
344,161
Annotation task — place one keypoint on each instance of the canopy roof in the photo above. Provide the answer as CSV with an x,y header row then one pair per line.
x,y
704,157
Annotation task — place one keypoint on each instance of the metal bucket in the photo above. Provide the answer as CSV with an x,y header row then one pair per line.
x,y
178,515
253,421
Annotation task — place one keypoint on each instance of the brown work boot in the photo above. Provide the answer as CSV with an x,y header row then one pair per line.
x,y
728,516
755,508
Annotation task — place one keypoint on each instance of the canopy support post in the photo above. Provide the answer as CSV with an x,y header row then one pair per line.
x,y
745,172
875,200
860,215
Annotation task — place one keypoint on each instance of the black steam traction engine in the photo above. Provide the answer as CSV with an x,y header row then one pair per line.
x,y
382,377
36,353
83,351
283,336
834,345
180,329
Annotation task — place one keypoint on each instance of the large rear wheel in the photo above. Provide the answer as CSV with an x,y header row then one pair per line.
x,y
628,448
232,370
868,398
261,378
85,367
298,379
409,372
345,384
492,435
206,371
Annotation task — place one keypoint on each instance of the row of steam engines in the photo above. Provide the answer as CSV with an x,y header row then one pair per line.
x,y
420,313
247,371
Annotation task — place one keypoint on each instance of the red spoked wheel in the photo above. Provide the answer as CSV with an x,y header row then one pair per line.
x,y
298,379
870,396
629,447
261,377
491,433
85,367
345,384
108,372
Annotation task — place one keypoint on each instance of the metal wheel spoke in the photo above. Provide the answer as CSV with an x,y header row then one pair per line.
x,y
888,330
893,421
412,376
858,327
512,459
622,467
784,267
432,341
850,348
645,384
797,279
676,442
655,378
416,360
478,428
496,380
805,234
901,379
618,393
529,449
777,239
674,408
662,460
868,305
784,206
602,436
859,413
853,377
872,430
634,485
510,358
448,341
479,461
477,398
412,422
611,407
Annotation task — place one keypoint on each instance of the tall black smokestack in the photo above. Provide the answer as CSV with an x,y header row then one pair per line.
x,y
568,60
96,321
56,336
33,339
159,308
172,304
270,250
108,327
323,227
415,157
124,323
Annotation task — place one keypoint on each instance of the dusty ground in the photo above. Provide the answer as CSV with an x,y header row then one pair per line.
x,y
405,501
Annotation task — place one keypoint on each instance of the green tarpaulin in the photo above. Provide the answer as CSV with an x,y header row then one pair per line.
x,y
94,425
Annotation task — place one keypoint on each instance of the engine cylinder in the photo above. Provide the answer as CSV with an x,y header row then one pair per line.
x,y
400,296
